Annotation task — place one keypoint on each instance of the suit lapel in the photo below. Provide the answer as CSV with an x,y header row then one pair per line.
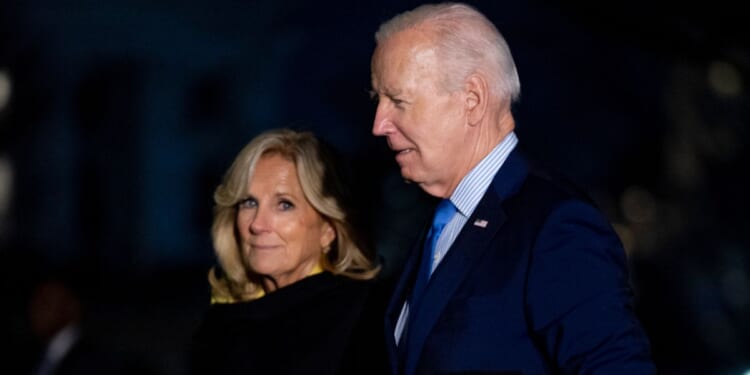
x,y
471,243
468,247
400,293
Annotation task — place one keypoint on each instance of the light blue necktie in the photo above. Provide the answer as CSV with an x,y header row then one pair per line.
x,y
443,214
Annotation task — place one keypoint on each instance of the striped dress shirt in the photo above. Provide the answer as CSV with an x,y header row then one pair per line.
x,y
466,197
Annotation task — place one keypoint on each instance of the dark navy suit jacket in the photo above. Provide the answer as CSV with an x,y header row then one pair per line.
x,y
543,288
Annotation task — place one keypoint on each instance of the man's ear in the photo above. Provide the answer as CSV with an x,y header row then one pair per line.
x,y
477,97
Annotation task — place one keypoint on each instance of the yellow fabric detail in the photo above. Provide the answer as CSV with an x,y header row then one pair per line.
x,y
259,294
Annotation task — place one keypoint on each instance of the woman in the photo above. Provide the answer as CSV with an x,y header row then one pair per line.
x,y
293,292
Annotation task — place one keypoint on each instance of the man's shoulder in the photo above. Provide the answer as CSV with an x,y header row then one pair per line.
x,y
524,173
544,188
550,183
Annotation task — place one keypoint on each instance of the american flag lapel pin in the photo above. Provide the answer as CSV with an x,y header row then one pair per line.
x,y
481,223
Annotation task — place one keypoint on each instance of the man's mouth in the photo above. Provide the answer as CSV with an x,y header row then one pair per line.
x,y
403,151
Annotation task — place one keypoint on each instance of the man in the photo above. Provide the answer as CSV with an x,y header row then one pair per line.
x,y
527,276
55,317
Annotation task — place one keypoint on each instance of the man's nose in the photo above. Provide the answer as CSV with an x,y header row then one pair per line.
x,y
382,125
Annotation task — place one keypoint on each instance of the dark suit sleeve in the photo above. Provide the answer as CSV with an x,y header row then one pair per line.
x,y
579,297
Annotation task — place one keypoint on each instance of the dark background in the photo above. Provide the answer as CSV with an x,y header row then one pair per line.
x,y
121,116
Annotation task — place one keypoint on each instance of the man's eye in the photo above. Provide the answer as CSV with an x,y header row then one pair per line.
x,y
247,203
399,104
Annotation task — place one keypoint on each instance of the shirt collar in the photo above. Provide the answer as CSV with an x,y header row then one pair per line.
x,y
472,187
62,342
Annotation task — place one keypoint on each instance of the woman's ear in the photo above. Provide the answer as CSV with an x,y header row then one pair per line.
x,y
477,97
327,236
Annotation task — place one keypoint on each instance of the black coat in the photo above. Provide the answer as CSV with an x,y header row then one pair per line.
x,y
89,356
323,324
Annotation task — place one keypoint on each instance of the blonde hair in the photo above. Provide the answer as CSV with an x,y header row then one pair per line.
x,y
321,186
466,41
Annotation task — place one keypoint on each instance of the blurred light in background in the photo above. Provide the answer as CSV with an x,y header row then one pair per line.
x,y
5,89
626,237
6,171
683,165
724,79
640,210
638,205
6,183
644,224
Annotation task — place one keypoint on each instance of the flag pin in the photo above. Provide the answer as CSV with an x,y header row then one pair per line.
x,y
480,223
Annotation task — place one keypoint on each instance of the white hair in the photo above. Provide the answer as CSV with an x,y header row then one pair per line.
x,y
467,42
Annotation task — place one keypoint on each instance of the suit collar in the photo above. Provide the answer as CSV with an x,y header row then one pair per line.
x,y
511,176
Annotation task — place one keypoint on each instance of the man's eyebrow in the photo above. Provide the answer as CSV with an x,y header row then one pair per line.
x,y
391,93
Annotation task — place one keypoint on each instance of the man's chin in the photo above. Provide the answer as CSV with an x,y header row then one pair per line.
x,y
408,177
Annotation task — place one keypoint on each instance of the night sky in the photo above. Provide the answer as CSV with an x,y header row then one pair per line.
x,y
118,119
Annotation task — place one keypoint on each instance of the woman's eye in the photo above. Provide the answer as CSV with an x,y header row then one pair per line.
x,y
247,203
285,205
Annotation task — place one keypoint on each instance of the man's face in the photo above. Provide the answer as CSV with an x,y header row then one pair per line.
x,y
423,123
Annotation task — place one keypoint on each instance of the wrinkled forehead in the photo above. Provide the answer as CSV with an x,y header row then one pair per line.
x,y
410,51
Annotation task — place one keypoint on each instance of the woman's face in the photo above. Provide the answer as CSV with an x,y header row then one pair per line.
x,y
281,235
